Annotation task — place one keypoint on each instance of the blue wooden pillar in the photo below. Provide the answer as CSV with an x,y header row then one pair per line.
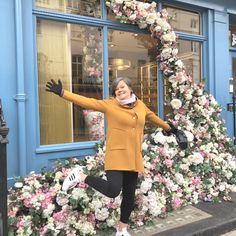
x,y
20,96
221,60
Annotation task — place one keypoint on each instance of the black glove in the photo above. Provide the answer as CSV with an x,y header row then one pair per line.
x,y
181,137
53,87
170,131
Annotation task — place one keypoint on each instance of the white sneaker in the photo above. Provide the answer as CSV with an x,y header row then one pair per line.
x,y
124,232
72,179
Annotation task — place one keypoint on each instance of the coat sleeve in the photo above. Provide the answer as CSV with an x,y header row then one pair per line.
x,y
88,103
152,117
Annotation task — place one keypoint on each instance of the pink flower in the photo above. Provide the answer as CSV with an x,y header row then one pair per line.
x,y
168,163
163,151
176,202
43,231
59,216
21,223
140,223
162,65
27,202
163,209
196,181
164,13
83,185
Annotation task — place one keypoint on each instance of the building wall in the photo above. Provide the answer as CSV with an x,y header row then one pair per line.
x,y
8,83
18,80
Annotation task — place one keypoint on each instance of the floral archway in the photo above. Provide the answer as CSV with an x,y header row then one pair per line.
x,y
173,178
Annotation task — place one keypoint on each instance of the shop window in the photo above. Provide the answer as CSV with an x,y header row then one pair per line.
x,y
184,21
133,55
190,52
73,54
232,31
79,7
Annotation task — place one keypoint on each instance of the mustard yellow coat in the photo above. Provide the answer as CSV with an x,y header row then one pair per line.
x,y
125,127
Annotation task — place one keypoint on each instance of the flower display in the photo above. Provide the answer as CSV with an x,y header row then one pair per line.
x,y
173,178
94,121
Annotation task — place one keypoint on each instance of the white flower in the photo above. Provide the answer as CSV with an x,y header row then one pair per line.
x,y
49,210
174,51
172,78
166,52
18,185
111,222
144,146
189,135
196,158
222,187
179,63
176,103
119,1
101,214
146,185
132,17
159,138
188,96
171,139
157,28
151,17
179,178
170,37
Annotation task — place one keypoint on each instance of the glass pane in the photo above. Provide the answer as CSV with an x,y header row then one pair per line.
x,y
78,7
134,56
185,21
72,53
232,31
234,75
190,52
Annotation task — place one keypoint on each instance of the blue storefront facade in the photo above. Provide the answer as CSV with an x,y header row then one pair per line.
x,y
81,43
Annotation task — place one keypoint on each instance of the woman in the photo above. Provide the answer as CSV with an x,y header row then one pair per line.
x,y
125,116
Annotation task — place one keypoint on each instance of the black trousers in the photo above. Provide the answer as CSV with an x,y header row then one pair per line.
x,y
117,181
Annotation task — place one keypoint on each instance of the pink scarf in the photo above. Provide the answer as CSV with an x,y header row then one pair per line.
x,y
130,100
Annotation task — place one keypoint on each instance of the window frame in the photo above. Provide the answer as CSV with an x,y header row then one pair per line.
x,y
106,25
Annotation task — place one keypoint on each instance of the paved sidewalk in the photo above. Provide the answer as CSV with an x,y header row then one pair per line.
x,y
203,219
231,233
222,220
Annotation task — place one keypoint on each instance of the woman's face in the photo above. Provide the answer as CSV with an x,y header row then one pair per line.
x,y
122,91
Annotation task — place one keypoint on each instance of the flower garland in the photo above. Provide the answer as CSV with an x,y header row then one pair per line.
x,y
173,178
92,62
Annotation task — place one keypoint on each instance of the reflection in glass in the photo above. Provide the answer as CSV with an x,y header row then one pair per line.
x,y
134,56
78,7
234,75
232,31
190,52
72,53
185,21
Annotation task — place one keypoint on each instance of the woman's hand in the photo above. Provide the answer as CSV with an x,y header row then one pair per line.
x,y
53,87
180,136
